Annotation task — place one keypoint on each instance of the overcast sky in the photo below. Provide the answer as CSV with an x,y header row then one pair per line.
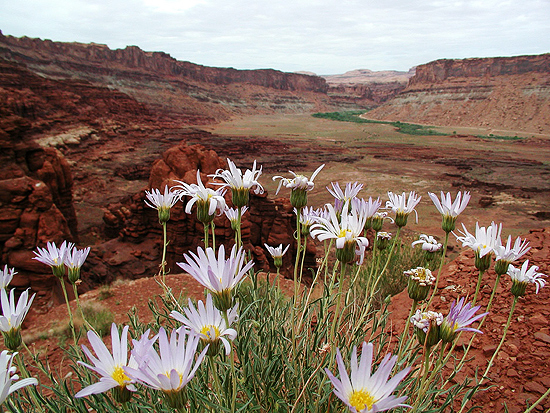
x,y
321,36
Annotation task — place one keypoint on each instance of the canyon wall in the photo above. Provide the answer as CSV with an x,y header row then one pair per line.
x,y
165,84
500,94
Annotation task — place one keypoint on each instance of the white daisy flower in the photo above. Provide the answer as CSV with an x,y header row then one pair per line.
x,y
362,391
428,243
217,274
523,276
109,366
350,192
208,200
449,209
240,183
12,316
171,368
161,202
6,275
299,186
209,323
8,383
277,254
74,261
402,206
54,257
507,254
346,231
483,243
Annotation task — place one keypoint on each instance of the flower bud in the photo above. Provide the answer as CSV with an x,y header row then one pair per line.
x,y
420,282
121,394
298,198
347,253
12,339
401,219
483,263
240,197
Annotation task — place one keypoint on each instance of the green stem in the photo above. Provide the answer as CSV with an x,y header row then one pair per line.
x,y
338,300
213,227
544,396
217,385
391,252
239,221
206,240
71,324
86,323
164,245
479,277
298,252
441,263
406,329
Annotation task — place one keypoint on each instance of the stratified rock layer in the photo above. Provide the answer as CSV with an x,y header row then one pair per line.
x,y
501,93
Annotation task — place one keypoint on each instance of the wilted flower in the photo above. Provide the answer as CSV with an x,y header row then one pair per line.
x,y
8,377
428,243
450,210
420,281
161,202
172,368
218,275
362,391
240,183
12,317
110,366
378,220
347,231
6,275
427,327
54,257
403,206
209,323
349,193
505,255
74,261
523,276
483,243
208,200
459,318
383,239
368,209
232,215
299,186
277,254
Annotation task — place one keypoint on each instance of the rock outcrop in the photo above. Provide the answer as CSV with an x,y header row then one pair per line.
x,y
135,248
501,93
36,205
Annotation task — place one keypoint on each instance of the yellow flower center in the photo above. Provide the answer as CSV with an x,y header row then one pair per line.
x,y
422,274
120,377
361,399
207,331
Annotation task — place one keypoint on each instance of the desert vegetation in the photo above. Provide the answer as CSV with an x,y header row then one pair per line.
x,y
325,345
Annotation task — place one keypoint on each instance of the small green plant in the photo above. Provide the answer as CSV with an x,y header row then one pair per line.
x,y
104,292
99,317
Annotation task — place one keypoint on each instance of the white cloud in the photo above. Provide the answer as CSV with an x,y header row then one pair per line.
x,y
326,36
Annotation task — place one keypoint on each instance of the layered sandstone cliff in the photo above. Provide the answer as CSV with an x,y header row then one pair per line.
x,y
501,94
166,84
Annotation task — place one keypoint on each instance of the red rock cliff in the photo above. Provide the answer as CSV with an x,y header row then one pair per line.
x,y
162,82
501,94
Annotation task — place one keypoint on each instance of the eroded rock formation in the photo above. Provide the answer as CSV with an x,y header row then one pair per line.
x,y
135,249
501,93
